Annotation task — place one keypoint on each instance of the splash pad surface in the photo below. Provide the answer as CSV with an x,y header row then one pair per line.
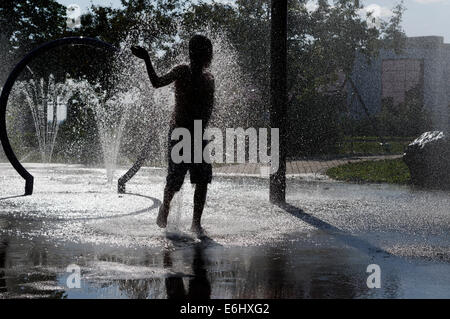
x,y
318,246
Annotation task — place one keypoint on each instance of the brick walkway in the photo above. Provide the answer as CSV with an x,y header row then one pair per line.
x,y
307,166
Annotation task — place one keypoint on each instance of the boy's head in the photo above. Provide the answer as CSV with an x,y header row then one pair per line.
x,y
200,51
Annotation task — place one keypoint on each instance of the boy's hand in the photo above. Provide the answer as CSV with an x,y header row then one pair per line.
x,y
139,52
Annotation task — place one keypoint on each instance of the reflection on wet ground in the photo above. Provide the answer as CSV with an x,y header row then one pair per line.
x,y
298,267
317,246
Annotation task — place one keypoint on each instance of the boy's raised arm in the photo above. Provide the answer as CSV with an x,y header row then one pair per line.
x,y
157,81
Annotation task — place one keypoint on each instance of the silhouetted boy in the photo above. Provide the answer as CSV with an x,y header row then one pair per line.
x,y
194,99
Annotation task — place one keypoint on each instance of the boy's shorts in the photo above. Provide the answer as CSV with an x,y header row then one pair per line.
x,y
200,173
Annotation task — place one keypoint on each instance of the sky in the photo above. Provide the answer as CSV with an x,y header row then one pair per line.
x,y
422,17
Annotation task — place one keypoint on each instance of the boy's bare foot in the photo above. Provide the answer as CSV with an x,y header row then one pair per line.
x,y
198,230
161,220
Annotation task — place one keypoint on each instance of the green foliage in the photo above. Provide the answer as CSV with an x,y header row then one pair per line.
x,y
392,35
384,171
77,139
322,45
314,126
21,130
26,24
405,119
322,48
371,145
151,23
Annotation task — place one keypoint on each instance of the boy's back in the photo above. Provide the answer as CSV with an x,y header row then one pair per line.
x,y
194,97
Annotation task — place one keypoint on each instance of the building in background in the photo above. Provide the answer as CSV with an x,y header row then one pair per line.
x,y
424,64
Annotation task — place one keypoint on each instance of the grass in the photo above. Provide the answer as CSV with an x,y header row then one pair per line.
x,y
371,145
377,139
371,148
383,171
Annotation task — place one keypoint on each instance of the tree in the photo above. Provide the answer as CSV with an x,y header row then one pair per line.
x,y
322,47
25,25
324,44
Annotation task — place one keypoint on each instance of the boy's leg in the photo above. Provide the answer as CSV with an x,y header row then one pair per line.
x,y
199,203
174,181
164,209
201,176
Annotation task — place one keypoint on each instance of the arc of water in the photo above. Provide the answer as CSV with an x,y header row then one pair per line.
x,y
29,179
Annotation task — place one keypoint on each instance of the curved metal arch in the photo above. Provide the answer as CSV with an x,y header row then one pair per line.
x,y
142,157
29,179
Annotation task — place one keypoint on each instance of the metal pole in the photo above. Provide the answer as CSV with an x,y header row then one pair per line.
x,y
278,91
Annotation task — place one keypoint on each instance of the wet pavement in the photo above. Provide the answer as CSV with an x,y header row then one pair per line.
x,y
317,246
